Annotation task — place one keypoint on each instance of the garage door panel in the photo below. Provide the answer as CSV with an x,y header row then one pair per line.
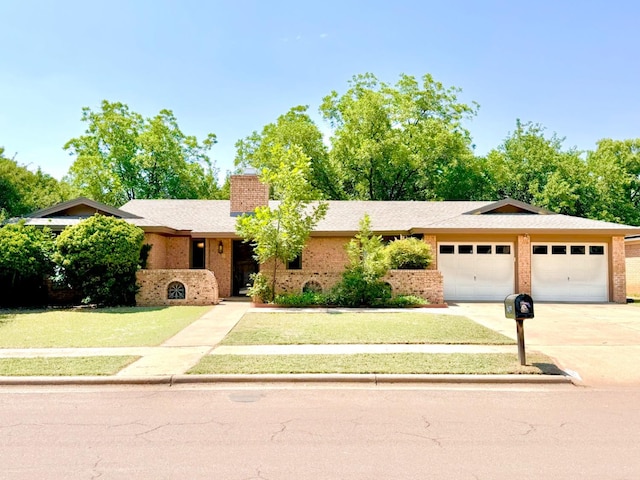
x,y
577,275
477,276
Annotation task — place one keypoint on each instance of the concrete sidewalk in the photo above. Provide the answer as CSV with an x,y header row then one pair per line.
x,y
168,362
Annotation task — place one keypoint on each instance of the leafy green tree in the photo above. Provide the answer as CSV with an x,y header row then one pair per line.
x,y
615,169
361,282
23,191
293,128
533,168
399,142
99,257
123,156
25,262
279,234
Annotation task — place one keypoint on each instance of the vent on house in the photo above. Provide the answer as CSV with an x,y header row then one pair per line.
x,y
176,291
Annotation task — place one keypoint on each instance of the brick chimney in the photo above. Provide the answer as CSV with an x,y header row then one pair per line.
x,y
247,193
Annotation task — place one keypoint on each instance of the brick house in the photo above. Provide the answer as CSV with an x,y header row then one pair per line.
x,y
483,251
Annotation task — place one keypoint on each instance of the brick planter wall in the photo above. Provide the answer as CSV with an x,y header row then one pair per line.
x,y
423,283
200,285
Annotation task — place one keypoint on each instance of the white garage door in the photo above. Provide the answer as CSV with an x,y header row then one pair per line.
x,y
476,271
569,272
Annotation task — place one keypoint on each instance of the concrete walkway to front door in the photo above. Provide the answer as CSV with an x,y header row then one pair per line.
x,y
600,342
187,347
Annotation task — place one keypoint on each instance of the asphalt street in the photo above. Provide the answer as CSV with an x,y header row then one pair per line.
x,y
319,432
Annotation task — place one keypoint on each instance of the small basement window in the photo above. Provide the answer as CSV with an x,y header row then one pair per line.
x,y
176,291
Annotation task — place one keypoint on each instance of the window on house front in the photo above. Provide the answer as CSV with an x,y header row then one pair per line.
x,y
578,250
483,249
198,253
558,250
295,264
596,250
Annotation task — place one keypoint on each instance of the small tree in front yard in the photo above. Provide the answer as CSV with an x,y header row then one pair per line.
x,y
361,282
25,262
99,258
279,234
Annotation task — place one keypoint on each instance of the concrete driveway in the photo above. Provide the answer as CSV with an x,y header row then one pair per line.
x,y
600,342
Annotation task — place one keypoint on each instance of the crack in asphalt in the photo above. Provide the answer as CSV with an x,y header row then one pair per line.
x,y
96,473
283,427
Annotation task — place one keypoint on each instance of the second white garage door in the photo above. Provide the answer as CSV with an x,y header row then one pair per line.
x,y
569,272
477,271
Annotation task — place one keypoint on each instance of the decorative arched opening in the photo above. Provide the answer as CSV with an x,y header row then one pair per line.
x,y
176,291
312,286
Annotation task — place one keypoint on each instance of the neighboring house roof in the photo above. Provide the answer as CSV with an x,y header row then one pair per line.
x,y
80,207
72,212
212,218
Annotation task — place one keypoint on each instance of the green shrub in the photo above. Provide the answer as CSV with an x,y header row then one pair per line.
x,y
357,290
99,258
25,262
305,299
260,289
409,254
403,301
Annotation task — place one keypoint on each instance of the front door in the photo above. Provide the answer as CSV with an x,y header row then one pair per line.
x,y
243,266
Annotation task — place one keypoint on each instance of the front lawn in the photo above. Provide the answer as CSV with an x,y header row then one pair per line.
x,y
399,363
108,327
64,366
340,327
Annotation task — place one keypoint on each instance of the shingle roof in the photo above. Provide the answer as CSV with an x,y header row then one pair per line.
x,y
343,217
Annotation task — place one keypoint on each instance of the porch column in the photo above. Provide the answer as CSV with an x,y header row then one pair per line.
x,y
523,267
431,241
618,271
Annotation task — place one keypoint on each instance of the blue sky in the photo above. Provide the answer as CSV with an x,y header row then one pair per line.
x,y
230,67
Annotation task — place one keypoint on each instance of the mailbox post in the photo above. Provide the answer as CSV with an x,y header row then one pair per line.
x,y
519,306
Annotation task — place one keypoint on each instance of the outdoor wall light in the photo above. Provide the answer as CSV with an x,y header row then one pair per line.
x,y
200,244
220,247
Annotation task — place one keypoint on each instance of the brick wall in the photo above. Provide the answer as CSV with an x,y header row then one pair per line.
x,y
618,274
200,285
432,241
220,263
523,264
247,193
423,283
158,253
178,249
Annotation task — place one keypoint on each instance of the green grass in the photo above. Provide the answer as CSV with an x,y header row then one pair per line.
x,y
108,327
282,328
399,363
64,366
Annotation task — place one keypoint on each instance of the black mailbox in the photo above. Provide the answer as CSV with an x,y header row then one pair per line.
x,y
518,305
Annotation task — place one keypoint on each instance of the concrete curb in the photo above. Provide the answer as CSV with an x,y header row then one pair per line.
x,y
373,379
